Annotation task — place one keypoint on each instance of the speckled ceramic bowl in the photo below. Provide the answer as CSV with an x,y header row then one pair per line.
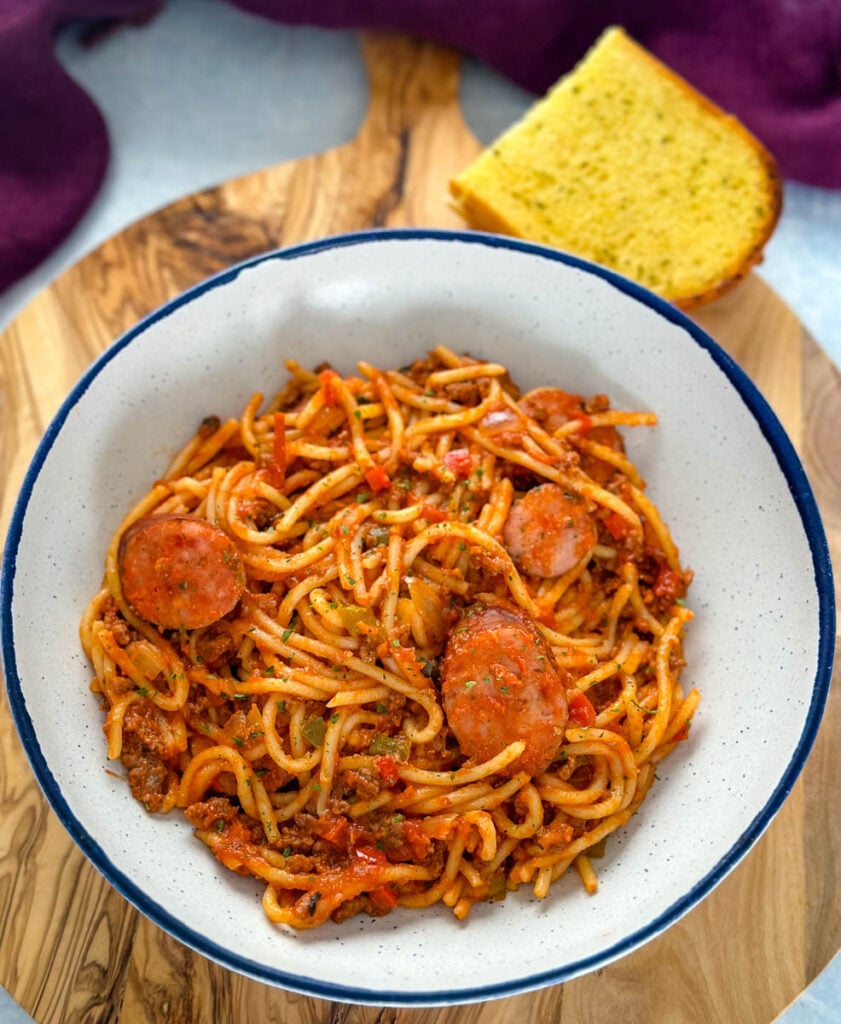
x,y
719,466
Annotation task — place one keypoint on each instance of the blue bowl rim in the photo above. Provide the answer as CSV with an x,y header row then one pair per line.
x,y
801,492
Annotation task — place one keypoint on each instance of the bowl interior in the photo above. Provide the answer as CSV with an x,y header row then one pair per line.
x,y
718,465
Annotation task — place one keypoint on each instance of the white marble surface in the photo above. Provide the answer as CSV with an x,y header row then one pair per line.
x,y
205,92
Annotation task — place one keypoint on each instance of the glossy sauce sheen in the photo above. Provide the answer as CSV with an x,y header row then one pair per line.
x,y
500,684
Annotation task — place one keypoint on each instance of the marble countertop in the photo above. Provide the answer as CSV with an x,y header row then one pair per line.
x,y
205,92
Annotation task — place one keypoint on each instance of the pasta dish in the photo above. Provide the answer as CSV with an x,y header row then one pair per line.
x,y
396,638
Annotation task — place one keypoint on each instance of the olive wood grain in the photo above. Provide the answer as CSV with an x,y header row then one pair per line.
x,y
71,949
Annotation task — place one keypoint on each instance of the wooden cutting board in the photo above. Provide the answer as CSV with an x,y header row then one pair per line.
x,y
71,949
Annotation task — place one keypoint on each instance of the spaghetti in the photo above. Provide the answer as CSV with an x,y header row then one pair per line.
x,y
396,638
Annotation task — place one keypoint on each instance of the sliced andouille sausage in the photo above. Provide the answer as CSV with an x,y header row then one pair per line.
x,y
500,684
178,571
553,407
548,531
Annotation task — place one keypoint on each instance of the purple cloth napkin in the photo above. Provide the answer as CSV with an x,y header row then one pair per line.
x,y
776,64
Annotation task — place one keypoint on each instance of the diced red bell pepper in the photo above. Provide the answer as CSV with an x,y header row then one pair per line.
x,y
459,461
377,478
581,711
384,898
433,514
388,768
370,855
334,830
617,527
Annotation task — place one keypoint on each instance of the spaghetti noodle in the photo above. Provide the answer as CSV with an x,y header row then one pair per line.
x,y
396,638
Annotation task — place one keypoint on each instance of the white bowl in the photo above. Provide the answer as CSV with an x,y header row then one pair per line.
x,y
719,465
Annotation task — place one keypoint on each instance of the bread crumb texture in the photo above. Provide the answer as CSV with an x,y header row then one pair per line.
x,y
626,164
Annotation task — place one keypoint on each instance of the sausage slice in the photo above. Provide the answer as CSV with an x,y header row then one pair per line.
x,y
552,408
548,531
178,571
500,684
